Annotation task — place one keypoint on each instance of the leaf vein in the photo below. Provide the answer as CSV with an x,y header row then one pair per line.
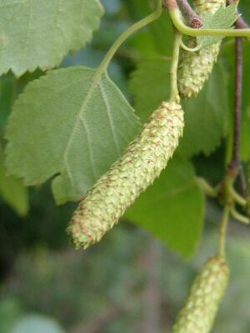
x,y
91,158
109,113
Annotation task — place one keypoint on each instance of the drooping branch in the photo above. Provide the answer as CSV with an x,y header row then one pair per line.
x,y
243,182
234,165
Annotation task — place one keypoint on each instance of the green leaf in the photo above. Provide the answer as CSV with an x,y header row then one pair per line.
x,y
40,33
245,122
151,85
206,117
12,190
223,18
153,41
7,95
156,38
172,209
71,124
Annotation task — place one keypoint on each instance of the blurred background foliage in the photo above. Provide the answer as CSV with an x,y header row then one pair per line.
x,y
130,281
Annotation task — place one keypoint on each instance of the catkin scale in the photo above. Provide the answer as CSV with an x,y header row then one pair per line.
x,y
116,190
195,67
206,293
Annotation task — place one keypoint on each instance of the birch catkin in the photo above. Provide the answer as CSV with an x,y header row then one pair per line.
x,y
116,190
199,311
195,67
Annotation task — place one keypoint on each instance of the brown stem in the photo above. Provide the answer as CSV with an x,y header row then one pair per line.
x,y
234,165
193,19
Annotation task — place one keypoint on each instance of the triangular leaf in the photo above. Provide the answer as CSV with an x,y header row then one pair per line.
x,y
172,209
39,33
70,124
223,18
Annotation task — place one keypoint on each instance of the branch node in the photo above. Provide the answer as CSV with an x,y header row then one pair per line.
x,y
193,19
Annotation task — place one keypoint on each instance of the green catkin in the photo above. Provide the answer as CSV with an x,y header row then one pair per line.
x,y
207,291
116,190
195,67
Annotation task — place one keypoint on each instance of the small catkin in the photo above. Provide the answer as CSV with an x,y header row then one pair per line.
x,y
116,190
195,67
199,311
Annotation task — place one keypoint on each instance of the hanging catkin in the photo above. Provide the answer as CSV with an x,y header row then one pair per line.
x,y
195,67
116,190
199,311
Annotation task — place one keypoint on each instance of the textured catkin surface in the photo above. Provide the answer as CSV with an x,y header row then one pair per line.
x,y
116,190
195,67
199,311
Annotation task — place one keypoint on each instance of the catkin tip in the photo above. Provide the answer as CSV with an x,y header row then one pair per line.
x,y
206,293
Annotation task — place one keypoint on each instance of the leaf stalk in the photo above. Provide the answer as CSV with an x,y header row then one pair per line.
x,y
124,36
223,231
174,92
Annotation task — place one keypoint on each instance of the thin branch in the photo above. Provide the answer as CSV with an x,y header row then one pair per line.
x,y
234,165
223,230
241,24
239,217
174,92
243,182
193,19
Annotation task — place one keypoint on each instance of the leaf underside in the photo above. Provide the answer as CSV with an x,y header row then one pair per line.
x,y
70,126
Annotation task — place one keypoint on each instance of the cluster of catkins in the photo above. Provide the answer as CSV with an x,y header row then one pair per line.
x,y
141,164
149,153
201,306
